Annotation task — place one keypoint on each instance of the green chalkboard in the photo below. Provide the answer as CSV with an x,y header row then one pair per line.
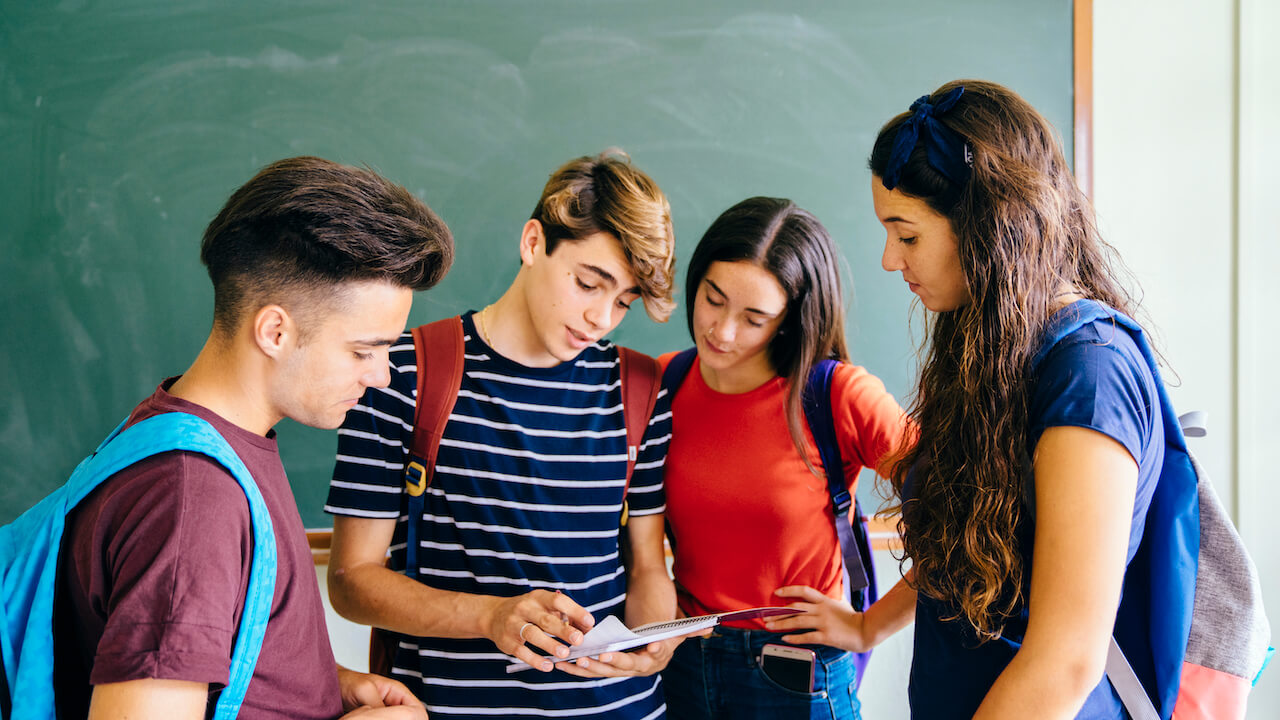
x,y
125,125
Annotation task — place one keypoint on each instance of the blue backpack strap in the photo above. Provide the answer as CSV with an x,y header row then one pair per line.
x,y
672,378
32,644
852,532
674,374
853,545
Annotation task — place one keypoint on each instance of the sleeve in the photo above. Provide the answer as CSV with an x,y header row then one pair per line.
x,y
1099,385
646,495
175,551
870,424
374,443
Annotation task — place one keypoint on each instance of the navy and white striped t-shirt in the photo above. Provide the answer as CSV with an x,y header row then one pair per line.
x,y
526,495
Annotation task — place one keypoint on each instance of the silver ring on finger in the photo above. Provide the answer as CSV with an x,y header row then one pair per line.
x,y
522,628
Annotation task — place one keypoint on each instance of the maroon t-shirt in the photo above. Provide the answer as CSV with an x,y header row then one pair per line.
x,y
154,567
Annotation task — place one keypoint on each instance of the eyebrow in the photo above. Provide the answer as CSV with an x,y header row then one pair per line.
x,y
377,342
895,218
607,277
757,311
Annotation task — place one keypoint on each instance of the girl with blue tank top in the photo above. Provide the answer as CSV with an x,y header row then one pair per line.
x,y
1024,499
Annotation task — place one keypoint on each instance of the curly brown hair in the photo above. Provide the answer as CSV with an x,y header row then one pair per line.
x,y
1025,232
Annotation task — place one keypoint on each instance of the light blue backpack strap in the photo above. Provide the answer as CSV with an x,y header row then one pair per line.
x,y
186,432
29,555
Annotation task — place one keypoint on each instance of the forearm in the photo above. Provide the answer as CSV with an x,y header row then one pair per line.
x,y
895,610
375,595
651,596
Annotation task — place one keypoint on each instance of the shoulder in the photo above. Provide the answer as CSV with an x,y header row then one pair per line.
x,y
854,384
1097,377
1094,351
168,498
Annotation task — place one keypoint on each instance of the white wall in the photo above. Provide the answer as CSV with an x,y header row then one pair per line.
x,y
1185,184
1258,251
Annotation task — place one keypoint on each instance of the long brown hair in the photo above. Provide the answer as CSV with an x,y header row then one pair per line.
x,y
797,250
1024,232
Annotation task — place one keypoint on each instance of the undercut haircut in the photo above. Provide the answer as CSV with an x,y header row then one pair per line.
x,y
304,227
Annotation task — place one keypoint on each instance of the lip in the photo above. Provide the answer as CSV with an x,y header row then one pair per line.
x,y
713,348
577,339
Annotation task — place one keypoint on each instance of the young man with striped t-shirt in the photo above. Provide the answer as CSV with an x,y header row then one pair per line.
x,y
518,540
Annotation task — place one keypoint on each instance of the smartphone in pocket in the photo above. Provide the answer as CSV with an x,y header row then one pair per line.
x,y
790,667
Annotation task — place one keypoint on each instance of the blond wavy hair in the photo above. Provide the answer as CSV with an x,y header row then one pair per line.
x,y
608,194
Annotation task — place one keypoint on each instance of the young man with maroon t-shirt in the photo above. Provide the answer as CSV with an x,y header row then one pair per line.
x,y
313,265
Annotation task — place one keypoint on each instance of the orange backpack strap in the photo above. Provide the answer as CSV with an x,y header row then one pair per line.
x,y
641,377
438,348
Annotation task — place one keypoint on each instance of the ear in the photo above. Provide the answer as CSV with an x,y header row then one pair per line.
x,y
533,242
274,330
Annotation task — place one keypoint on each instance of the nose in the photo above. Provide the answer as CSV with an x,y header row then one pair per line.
x,y
597,313
379,375
723,331
891,259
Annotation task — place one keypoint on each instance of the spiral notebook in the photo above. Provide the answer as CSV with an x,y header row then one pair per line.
x,y
611,635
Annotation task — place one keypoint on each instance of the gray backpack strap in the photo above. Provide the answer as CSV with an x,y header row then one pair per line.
x,y
1119,671
1127,685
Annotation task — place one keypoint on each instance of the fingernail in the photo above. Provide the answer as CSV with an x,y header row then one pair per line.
x,y
575,637
546,665
562,651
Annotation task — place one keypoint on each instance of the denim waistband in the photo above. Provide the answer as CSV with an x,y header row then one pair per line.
x,y
743,646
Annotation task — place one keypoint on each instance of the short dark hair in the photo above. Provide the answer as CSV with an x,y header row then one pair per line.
x,y
304,225
793,246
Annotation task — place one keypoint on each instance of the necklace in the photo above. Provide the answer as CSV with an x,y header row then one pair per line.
x,y
484,329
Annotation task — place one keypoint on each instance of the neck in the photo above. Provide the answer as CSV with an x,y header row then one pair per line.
x,y
1066,295
231,382
740,379
507,327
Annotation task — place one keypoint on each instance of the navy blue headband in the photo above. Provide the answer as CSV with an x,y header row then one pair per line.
x,y
946,150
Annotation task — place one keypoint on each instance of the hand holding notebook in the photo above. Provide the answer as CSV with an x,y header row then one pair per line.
x,y
610,635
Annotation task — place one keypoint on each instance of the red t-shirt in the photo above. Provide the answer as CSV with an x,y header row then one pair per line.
x,y
153,571
747,515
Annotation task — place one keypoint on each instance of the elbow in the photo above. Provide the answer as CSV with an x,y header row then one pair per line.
x,y
342,594
1076,676
1082,675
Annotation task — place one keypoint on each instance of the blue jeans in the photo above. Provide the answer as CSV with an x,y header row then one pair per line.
x,y
720,677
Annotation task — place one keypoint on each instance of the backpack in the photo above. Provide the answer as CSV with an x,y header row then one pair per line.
x,y
438,348
1195,654
852,532
29,548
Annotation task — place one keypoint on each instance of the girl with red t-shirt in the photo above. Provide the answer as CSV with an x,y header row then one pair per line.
x,y
747,496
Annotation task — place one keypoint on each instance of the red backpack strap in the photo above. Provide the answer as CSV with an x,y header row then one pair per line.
x,y
438,348
640,385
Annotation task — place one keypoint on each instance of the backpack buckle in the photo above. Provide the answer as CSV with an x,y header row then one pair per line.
x,y
415,478
840,503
